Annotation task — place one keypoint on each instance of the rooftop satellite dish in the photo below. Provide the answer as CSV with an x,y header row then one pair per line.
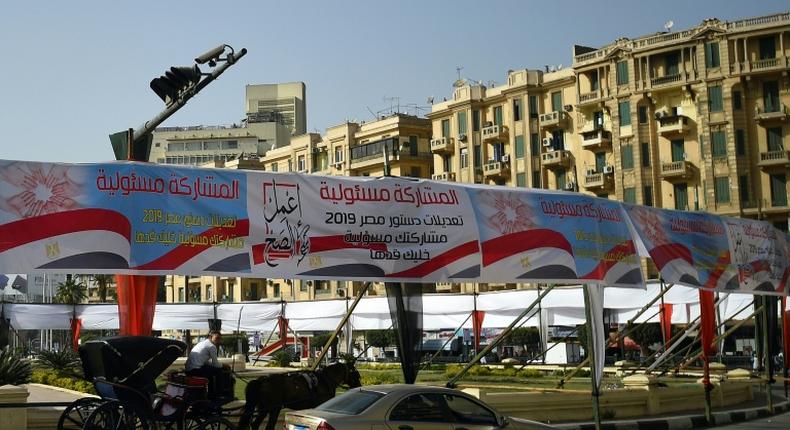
x,y
668,25
430,100
559,67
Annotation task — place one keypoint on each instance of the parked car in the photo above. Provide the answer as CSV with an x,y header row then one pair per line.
x,y
404,407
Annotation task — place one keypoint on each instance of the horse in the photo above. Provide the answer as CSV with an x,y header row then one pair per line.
x,y
268,394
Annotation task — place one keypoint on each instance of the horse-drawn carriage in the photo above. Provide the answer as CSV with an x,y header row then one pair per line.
x,y
124,371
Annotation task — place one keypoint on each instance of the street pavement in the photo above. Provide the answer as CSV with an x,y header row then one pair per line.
x,y
775,422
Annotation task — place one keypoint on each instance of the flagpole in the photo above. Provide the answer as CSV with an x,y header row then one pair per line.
x,y
767,352
591,357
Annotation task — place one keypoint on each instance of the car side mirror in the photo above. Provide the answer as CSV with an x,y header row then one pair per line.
x,y
503,421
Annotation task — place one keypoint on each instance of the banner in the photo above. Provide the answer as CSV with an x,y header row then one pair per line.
x,y
144,219
597,335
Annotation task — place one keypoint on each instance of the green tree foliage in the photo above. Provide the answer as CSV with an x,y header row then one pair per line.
x,y
645,335
380,338
63,361
318,341
14,369
523,336
70,292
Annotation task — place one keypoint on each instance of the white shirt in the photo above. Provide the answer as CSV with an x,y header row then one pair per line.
x,y
203,353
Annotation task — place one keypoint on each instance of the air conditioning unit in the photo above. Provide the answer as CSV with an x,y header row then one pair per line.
x,y
505,159
608,169
660,114
548,142
569,186
591,171
338,164
462,137
568,108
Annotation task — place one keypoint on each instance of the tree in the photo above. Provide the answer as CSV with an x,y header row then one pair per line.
x,y
318,341
103,282
70,292
380,338
523,336
646,334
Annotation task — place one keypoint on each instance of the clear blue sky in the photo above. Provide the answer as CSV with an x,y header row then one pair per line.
x,y
73,72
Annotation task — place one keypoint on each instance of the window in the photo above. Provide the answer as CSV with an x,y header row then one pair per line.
x,y
774,137
642,114
290,165
447,162
624,110
647,195
600,161
533,106
767,47
427,407
712,55
736,100
519,146
594,84
478,157
475,120
678,150
771,96
718,143
466,411
276,290
681,197
561,178
715,103
743,188
536,179
740,142
416,172
464,157
622,72
445,128
498,115
627,154
778,189
499,150
517,109
273,167
534,144
722,189
521,179
671,64
338,154
598,119
462,125
645,153
350,402
414,146
558,139
556,101
629,195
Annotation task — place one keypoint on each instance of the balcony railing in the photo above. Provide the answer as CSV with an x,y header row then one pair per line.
x,y
778,112
595,139
589,97
598,180
558,158
442,144
774,158
677,170
494,132
768,63
666,80
446,176
496,169
673,124
552,119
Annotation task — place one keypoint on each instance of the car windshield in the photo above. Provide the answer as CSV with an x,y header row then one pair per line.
x,y
351,402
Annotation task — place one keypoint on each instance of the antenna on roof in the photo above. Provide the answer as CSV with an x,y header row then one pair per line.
x,y
458,71
668,25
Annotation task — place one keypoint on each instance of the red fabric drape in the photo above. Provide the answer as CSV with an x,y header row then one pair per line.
x,y
136,303
477,326
76,328
666,320
707,323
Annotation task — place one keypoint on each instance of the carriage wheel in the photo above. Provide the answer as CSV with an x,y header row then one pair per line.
x,y
75,414
216,423
113,416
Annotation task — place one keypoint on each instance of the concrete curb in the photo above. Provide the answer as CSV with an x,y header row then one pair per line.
x,y
685,422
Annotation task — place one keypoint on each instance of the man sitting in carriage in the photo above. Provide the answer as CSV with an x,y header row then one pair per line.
x,y
203,362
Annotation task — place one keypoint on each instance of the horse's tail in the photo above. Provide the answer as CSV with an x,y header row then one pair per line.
x,y
250,403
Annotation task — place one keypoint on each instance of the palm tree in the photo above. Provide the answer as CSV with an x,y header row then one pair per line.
x,y
70,292
103,282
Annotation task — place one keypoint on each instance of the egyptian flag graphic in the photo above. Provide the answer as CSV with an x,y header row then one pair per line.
x,y
618,267
347,265
539,254
81,238
756,276
676,264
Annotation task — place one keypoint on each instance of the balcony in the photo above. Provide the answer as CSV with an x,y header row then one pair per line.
x,y
599,181
767,64
596,139
496,169
555,159
666,80
554,119
674,124
494,132
590,97
677,171
774,159
446,176
442,145
777,113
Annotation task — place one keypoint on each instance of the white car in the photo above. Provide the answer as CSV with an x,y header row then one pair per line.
x,y
404,407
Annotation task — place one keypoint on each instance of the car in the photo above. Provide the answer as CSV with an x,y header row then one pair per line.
x,y
404,407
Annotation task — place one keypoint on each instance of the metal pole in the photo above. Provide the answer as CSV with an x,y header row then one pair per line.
x,y
591,357
430,360
767,352
340,326
498,339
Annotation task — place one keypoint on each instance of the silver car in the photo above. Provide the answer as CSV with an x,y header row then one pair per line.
x,y
404,407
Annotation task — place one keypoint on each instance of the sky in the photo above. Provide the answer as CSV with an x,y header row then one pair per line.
x,y
76,71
